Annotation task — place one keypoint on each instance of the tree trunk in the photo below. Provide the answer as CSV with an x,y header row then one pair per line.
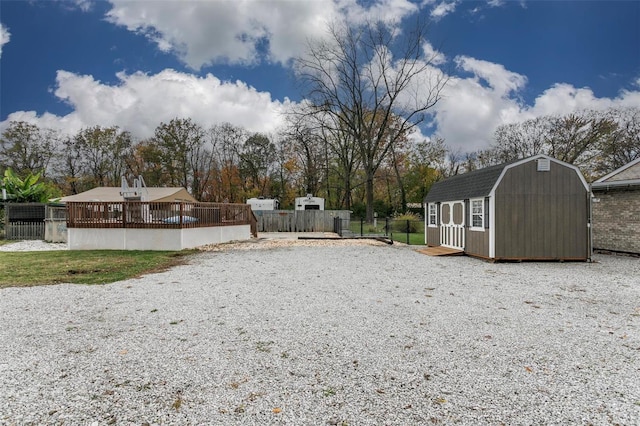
x,y
369,196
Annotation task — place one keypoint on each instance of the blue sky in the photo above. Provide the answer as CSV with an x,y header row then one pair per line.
x,y
78,63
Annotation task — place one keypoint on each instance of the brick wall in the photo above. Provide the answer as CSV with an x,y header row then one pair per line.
x,y
616,220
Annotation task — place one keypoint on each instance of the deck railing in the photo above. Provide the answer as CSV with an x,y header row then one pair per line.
x,y
142,214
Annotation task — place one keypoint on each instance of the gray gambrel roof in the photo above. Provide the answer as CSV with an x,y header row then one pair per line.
x,y
477,183
480,183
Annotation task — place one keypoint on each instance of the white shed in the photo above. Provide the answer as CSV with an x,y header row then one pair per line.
x,y
263,203
309,203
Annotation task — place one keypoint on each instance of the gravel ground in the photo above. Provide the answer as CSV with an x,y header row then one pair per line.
x,y
327,333
33,245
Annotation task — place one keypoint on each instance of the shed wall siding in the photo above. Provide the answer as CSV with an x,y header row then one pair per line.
x,y
541,215
433,236
616,220
477,243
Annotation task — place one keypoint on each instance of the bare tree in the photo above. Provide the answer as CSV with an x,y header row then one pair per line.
x,y
578,138
591,140
623,145
102,153
227,140
364,77
515,141
309,151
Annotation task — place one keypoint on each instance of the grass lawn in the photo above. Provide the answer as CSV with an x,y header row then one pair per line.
x,y
18,269
414,239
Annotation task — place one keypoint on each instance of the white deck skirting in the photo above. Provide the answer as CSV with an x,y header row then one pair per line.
x,y
153,239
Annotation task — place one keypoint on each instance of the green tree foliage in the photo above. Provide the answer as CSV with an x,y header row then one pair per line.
x,y
25,148
427,165
185,157
257,159
27,189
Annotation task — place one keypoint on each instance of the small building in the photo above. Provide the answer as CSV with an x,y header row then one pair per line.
x,y
261,203
309,203
616,210
532,209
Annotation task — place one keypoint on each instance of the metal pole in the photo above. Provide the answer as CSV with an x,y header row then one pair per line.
x,y
408,232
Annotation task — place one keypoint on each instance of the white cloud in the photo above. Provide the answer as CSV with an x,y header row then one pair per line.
x,y
435,57
473,107
140,102
83,5
495,3
443,9
389,11
495,75
5,36
243,31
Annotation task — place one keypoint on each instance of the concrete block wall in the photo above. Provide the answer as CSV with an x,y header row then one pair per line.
x,y
616,220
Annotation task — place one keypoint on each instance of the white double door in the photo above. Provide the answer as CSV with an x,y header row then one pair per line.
x,y
452,224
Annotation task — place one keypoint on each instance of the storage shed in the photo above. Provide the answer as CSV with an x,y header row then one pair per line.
x,y
262,203
532,209
309,203
616,210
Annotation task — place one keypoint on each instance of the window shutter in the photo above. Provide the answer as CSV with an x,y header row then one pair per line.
x,y
486,213
467,213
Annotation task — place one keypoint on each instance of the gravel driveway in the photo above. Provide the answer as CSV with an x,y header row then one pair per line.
x,y
329,334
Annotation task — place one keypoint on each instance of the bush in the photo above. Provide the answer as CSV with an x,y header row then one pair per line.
x,y
407,223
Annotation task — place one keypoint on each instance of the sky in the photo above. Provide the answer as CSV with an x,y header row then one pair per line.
x,y
71,64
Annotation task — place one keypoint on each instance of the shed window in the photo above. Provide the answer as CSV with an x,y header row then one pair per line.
x,y
477,214
433,214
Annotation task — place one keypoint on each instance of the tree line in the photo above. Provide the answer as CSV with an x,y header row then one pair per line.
x,y
226,163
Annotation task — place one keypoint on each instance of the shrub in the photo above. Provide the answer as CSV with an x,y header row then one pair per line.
x,y
408,222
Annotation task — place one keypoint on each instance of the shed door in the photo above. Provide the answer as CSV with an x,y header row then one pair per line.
x,y
452,224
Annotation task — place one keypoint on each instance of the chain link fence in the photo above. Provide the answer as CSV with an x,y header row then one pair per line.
x,y
400,230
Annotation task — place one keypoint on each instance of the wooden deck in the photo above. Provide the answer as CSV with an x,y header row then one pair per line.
x,y
441,251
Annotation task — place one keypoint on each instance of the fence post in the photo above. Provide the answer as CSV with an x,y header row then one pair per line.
x,y
408,225
361,227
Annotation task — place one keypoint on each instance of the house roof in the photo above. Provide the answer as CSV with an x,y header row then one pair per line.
x,y
113,194
477,183
627,175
